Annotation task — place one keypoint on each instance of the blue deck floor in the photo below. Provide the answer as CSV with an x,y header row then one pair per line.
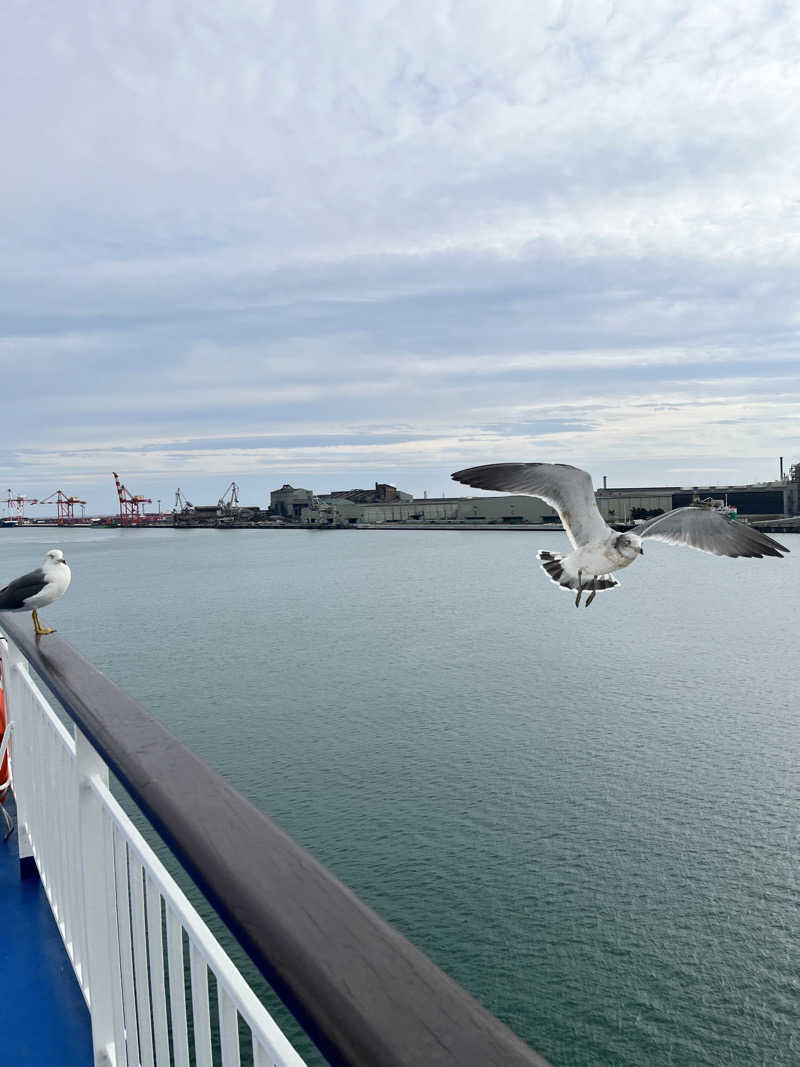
x,y
45,1021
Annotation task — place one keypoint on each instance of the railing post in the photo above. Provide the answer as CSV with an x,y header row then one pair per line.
x,y
15,665
100,921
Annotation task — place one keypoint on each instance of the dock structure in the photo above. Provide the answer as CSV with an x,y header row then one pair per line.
x,y
788,525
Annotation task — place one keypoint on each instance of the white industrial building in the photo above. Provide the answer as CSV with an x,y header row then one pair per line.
x,y
485,509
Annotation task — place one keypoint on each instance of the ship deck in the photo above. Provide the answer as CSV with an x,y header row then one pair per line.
x,y
45,1019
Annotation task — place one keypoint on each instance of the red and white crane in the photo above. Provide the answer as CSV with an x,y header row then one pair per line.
x,y
16,505
130,512
65,506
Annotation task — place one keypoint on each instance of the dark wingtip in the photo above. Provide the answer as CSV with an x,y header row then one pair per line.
x,y
772,548
474,476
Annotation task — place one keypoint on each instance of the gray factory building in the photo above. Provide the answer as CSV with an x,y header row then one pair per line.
x,y
296,505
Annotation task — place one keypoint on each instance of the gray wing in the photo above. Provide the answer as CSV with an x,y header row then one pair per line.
x,y
710,532
16,593
567,489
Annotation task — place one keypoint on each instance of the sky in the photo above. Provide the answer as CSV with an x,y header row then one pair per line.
x,y
334,243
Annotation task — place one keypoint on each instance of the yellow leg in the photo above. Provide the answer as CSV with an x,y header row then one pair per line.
x,y
38,629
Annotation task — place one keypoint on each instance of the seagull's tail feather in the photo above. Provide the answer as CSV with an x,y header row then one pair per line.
x,y
553,567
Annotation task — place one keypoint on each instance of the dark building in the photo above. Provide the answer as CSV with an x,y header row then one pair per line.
x,y
383,493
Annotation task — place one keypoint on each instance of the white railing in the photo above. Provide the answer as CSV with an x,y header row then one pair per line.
x,y
142,955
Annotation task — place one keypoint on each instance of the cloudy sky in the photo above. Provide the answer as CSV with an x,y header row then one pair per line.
x,y
339,241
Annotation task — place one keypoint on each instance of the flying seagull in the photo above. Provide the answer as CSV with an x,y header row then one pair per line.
x,y
38,589
599,550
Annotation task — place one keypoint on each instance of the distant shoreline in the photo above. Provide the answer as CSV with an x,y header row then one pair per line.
x,y
528,527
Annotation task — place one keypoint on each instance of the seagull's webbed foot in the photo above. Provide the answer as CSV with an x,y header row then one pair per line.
x,y
38,629
580,590
591,598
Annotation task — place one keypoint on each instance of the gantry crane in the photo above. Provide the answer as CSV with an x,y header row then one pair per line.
x,y
65,506
17,504
130,513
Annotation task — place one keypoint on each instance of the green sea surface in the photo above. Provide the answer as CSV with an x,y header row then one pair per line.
x,y
588,818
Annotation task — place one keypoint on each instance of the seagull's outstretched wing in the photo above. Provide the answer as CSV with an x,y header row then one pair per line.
x,y
567,489
17,592
710,532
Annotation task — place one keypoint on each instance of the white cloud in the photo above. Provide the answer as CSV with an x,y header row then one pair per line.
x,y
224,219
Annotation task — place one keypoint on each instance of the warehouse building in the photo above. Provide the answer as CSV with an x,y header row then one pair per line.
x,y
407,509
386,504
764,500
295,505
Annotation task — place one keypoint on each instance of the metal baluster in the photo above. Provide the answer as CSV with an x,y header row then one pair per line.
x,y
121,1057
157,988
97,921
200,1008
16,668
38,828
228,1028
140,961
65,857
125,946
36,806
72,825
177,990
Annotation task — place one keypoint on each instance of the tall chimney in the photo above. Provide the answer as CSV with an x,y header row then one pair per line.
x,y
605,482
781,468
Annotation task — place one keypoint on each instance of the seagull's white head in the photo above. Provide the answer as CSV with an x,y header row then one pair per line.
x,y
55,555
629,545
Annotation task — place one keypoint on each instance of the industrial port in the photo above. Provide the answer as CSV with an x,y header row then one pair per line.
x,y
773,505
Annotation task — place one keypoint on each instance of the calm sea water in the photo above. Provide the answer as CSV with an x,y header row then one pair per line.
x,y
589,818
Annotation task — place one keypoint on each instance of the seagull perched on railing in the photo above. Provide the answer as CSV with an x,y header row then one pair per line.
x,y
599,550
38,589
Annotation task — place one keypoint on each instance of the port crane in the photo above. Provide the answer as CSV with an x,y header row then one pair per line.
x,y
130,512
228,506
229,499
65,506
17,504
181,503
